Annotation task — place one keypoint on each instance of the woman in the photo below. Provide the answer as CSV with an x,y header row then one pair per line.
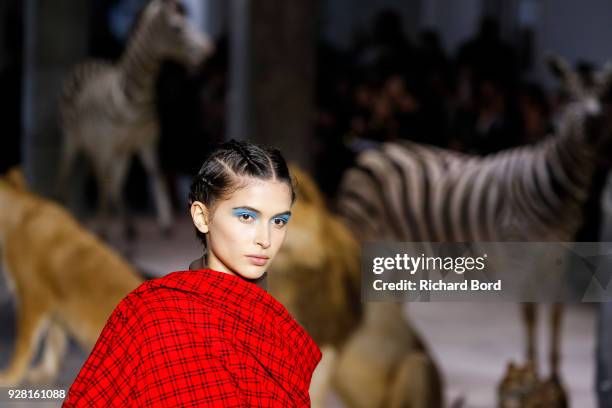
x,y
211,337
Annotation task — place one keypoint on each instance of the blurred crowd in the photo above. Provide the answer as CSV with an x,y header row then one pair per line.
x,y
388,86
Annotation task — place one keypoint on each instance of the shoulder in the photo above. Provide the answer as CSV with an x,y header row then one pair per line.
x,y
161,294
160,310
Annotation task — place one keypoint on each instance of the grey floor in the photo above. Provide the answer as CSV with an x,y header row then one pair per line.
x,y
472,342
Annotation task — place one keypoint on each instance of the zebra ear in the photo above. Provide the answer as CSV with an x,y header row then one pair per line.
x,y
562,71
175,6
604,79
174,3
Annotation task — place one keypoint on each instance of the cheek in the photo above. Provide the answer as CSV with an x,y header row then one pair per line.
x,y
231,232
278,238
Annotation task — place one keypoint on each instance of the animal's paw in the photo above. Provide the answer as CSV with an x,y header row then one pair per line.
x,y
554,393
40,376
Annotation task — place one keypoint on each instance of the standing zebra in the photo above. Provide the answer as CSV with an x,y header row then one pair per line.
x,y
108,110
404,191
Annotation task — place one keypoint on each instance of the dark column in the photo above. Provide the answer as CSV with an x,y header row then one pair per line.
x,y
272,80
55,38
11,49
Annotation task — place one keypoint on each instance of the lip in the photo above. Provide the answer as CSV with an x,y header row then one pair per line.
x,y
259,256
258,259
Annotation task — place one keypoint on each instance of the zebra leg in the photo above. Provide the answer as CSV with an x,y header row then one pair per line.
x,y
556,395
556,314
104,185
69,152
162,200
117,180
54,351
529,310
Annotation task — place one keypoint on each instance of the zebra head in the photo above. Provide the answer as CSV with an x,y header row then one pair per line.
x,y
587,113
171,35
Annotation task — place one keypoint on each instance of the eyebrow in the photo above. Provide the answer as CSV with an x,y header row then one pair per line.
x,y
245,207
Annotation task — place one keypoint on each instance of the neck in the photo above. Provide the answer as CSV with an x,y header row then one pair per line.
x,y
572,163
577,154
551,182
140,68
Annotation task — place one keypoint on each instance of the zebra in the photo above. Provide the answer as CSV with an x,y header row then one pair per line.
x,y
406,191
108,112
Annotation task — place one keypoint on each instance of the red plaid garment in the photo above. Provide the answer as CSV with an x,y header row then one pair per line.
x,y
198,339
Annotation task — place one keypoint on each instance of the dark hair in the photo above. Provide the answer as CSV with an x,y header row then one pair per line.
x,y
225,163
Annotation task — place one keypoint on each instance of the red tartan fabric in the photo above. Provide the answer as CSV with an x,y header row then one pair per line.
x,y
198,339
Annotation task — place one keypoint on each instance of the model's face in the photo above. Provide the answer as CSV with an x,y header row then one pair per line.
x,y
252,221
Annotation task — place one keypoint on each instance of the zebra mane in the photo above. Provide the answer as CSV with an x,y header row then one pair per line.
x,y
138,19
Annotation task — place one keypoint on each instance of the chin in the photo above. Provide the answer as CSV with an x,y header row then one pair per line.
x,y
252,272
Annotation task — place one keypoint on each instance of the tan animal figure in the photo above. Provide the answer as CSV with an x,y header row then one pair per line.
x,y
386,364
316,275
65,281
108,111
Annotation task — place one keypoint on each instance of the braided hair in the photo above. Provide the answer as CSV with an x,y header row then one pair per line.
x,y
226,163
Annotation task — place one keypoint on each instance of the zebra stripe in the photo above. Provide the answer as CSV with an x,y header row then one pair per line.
x,y
404,191
108,110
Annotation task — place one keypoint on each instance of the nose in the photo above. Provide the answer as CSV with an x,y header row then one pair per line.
x,y
208,44
592,107
203,44
262,236
199,47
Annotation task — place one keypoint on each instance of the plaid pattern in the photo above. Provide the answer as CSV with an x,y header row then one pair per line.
x,y
198,338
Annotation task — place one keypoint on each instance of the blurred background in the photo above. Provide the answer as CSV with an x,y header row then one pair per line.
x,y
321,80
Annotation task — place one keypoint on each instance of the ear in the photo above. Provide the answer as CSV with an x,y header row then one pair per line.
x,y
603,79
16,178
562,71
199,215
174,6
557,66
510,368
